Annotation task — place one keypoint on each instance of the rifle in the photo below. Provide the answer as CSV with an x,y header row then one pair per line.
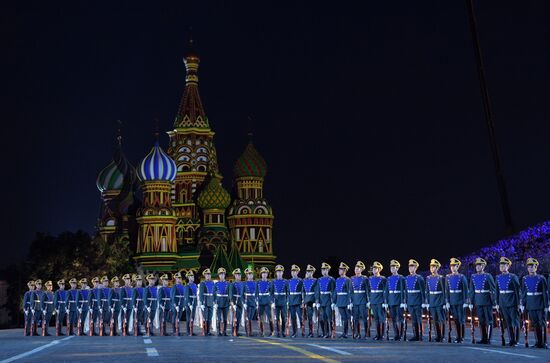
x,y
235,320
429,325
177,320
90,318
101,318
136,319
304,318
352,324
387,324
245,312
124,322
33,322
26,311
68,321
449,339
148,323
57,328
79,323
369,322
333,313
192,317
525,325
112,322
473,325
162,321
404,325
289,318
318,322
43,322
499,318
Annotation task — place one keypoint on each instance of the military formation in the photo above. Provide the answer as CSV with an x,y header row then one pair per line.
x,y
307,306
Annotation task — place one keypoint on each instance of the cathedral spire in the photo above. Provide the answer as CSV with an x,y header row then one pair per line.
x,y
191,113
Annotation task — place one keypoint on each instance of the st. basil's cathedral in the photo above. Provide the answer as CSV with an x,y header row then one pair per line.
x,y
173,210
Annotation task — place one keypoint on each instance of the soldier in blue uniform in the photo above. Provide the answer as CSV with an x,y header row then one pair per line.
x,y
47,306
377,300
221,301
114,306
395,296
206,298
251,303
83,303
265,300
152,302
507,299
359,299
190,293
126,302
36,306
139,301
310,297
60,306
457,297
280,298
177,295
534,299
326,285
415,297
27,308
105,303
165,304
72,307
295,299
483,296
95,304
236,298
342,298
436,293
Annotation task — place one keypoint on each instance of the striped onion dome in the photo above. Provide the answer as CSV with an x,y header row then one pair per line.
x,y
250,163
214,196
112,176
157,165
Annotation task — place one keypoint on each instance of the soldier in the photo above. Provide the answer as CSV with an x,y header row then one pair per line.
x,y
395,296
236,297
280,298
507,299
457,297
436,294
265,300
27,308
126,302
36,306
416,289
190,293
177,295
221,301
206,298
326,286
165,304
114,306
60,306
95,301
251,299
483,296
342,297
152,302
377,301
139,298
47,307
295,300
72,307
534,299
311,296
105,304
83,304
359,284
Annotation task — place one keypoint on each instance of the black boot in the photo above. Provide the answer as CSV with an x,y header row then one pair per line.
x,y
271,327
512,336
540,339
294,328
366,328
396,335
416,331
438,337
483,329
344,334
378,332
489,333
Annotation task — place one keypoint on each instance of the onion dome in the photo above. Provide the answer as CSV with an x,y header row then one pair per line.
x,y
157,165
214,196
250,163
113,175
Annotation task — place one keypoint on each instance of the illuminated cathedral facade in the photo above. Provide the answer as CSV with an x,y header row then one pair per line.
x,y
172,208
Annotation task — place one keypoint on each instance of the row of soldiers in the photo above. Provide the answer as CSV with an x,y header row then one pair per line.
x,y
357,301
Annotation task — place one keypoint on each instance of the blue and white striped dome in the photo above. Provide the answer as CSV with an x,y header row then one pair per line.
x,y
157,165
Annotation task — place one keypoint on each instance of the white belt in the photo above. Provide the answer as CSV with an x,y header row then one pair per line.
x,y
534,293
295,293
394,292
436,292
341,293
180,295
454,291
37,300
236,295
151,298
264,294
208,294
51,302
325,292
104,299
247,294
72,301
61,302
481,291
358,291
114,299
413,291
376,291
310,293
166,298
139,299
279,293
127,298
506,291
223,295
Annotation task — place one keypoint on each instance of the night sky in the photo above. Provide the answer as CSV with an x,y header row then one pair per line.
x,y
368,114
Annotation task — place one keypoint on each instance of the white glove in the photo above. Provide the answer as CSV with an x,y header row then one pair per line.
x,y
190,306
403,306
464,306
350,306
470,306
317,305
385,306
368,305
521,308
447,306
545,310
245,306
215,306
333,306
426,306
273,305
148,309
495,307
232,303
202,307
